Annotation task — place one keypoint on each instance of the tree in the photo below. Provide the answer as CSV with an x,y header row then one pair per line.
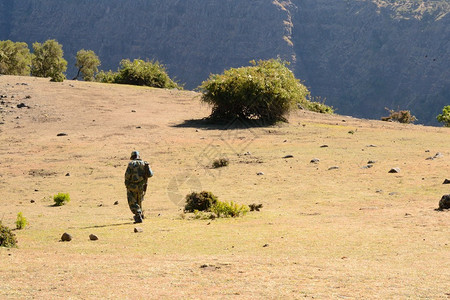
x,y
87,64
444,118
48,61
15,58
266,91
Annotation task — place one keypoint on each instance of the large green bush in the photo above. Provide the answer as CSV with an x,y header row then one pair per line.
x,y
267,91
7,238
444,118
47,60
15,58
139,72
87,64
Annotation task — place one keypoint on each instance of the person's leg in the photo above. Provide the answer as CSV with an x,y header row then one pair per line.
x,y
140,198
133,196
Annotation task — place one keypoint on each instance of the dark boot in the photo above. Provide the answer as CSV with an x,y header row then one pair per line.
x,y
137,218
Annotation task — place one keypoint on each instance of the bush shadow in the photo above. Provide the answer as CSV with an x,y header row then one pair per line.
x,y
215,124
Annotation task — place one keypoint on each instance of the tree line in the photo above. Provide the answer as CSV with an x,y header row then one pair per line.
x,y
266,90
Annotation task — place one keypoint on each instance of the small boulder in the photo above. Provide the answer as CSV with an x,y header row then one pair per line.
x,y
446,181
93,237
371,162
260,173
324,146
138,229
333,168
315,160
66,237
116,203
62,134
394,170
444,203
288,156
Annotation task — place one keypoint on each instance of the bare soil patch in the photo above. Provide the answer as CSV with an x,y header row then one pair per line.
x,y
346,233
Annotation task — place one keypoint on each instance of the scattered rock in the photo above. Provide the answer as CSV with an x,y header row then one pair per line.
x,y
247,153
66,237
67,174
100,205
444,203
324,146
437,155
371,146
393,193
427,151
260,173
32,201
315,160
367,167
61,134
27,97
93,237
288,156
265,245
22,105
394,170
446,181
116,203
351,132
210,267
371,162
138,229
138,127
333,168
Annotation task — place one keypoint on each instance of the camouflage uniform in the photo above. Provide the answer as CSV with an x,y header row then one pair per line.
x,y
136,175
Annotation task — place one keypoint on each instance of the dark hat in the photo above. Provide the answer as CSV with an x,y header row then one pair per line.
x,y
134,154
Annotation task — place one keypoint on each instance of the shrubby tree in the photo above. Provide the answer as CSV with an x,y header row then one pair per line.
x,y
48,61
15,58
266,91
87,64
401,116
139,72
444,118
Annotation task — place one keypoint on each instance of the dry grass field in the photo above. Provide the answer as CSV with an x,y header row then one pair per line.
x,y
343,233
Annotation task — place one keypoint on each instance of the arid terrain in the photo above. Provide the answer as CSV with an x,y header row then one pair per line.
x,y
351,232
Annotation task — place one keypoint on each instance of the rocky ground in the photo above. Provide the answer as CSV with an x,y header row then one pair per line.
x,y
348,204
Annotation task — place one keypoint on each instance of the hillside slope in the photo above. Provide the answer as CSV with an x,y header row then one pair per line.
x,y
360,55
332,229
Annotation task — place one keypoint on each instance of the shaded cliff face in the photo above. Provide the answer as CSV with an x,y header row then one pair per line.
x,y
192,38
360,55
364,57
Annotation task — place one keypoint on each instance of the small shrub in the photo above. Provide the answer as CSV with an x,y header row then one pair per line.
x,y
106,77
221,162
139,72
317,106
444,118
225,209
199,201
21,221
61,199
401,116
7,238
